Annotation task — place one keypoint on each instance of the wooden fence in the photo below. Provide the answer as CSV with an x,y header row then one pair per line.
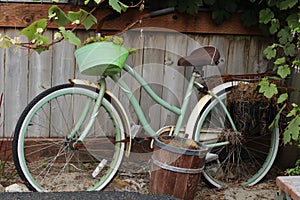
x,y
24,74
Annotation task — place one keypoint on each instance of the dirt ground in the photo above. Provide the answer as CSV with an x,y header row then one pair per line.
x,y
264,190
132,180
135,176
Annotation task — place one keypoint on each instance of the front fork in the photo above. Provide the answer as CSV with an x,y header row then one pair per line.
x,y
84,115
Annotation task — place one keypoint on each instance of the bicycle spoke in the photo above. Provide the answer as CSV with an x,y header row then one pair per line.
x,y
251,150
51,162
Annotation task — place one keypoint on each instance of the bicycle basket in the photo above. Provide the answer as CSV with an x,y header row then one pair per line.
x,y
101,58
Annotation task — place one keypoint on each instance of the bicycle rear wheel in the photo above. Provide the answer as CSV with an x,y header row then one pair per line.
x,y
45,157
252,148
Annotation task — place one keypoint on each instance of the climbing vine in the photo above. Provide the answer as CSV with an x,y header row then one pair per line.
x,y
280,20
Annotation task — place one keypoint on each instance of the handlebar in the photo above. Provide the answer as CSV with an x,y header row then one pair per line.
x,y
161,12
147,15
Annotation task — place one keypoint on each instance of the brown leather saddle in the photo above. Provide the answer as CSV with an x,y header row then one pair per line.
x,y
207,55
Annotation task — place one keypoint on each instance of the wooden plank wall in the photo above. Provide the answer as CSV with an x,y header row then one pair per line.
x,y
23,75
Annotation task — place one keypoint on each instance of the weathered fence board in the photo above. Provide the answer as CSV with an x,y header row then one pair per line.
x,y
63,62
40,73
15,86
2,81
153,70
23,75
173,74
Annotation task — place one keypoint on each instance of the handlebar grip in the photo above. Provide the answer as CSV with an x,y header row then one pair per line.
x,y
162,12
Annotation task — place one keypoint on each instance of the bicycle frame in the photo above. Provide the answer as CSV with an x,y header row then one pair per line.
x,y
180,112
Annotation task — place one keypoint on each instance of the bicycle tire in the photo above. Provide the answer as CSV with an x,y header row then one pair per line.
x,y
49,162
246,159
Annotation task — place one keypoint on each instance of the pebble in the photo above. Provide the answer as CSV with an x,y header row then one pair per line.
x,y
2,189
16,187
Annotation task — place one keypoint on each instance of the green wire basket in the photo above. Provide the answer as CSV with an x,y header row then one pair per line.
x,y
101,58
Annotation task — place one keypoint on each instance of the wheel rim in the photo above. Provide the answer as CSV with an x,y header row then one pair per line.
x,y
80,169
242,154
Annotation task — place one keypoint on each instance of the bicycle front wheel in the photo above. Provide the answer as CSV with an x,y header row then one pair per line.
x,y
44,153
251,149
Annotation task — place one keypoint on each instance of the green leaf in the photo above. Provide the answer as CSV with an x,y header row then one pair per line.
x,y
279,61
123,6
114,4
89,21
289,49
284,71
84,18
58,16
286,137
118,6
42,40
294,111
74,15
270,52
285,4
292,130
272,3
268,89
31,31
40,43
70,36
265,16
285,36
296,62
275,25
40,50
282,98
293,20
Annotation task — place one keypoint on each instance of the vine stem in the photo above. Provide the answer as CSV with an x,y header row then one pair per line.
x,y
32,45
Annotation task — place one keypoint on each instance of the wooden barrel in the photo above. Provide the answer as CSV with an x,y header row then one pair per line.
x,y
175,170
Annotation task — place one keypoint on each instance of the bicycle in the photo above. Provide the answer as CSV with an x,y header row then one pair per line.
x,y
85,153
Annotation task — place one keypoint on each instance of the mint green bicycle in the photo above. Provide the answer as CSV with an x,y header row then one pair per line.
x,y
74,136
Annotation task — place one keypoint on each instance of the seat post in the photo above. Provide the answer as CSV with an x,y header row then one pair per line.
x,y
185,102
